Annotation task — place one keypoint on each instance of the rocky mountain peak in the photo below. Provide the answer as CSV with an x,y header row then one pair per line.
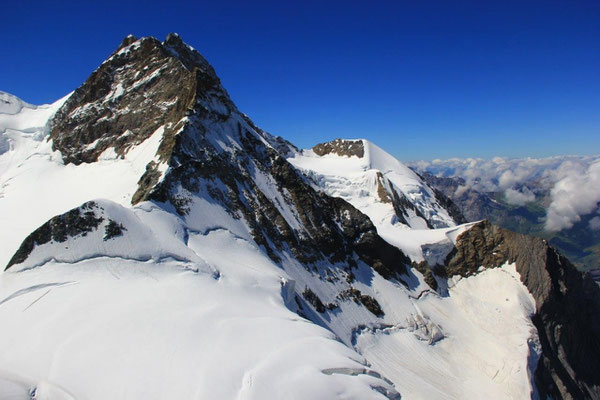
x,y
129,39
249,217
210,152
144,86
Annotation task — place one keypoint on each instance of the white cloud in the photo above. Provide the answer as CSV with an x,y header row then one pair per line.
x,y
576,194
595,223
460,190
573,182
519,198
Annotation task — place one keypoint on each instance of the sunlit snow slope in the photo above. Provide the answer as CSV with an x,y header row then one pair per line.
x,y
143,315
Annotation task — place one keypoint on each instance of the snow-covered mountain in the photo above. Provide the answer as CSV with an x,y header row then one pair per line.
x,y
396,200
158,244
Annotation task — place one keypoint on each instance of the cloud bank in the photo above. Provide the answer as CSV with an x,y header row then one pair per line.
x,y
576,194
572,183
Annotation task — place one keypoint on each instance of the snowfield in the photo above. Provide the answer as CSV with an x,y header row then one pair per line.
x,y
110,328
355,180
488,348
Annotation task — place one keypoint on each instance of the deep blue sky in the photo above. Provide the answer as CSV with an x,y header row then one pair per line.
x,y
423,79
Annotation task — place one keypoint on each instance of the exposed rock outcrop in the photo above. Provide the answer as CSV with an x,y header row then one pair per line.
x,y
78,221
143,86
211,151
340,147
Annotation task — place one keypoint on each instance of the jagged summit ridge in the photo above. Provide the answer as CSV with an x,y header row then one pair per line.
x,y
143,86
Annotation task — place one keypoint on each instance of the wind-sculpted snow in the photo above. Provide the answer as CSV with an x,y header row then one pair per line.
x,y
157,330
488,340
33,177
217,321
226,287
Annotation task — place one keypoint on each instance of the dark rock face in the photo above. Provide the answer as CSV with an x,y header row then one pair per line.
x,y
78,221
567,306
356,295
399,201
333,229
113,229
341,147
382,192
314,300
453,210
144,85
401,206
428,275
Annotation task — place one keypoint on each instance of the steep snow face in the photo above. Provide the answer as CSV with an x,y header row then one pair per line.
x,y
392,195
208,301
